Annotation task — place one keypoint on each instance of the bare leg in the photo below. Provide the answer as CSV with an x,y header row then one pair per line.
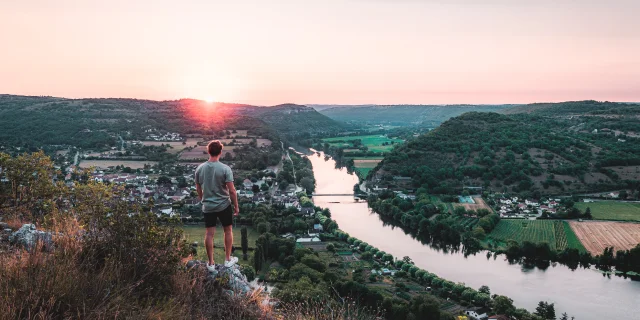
x,y
228,242
208,243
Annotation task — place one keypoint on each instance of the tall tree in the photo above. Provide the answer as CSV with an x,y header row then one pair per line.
x,y
244,242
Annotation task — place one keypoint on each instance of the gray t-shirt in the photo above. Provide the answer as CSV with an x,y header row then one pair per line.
x,y
212,177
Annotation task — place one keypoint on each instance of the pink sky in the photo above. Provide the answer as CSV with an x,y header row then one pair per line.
x,y
329,51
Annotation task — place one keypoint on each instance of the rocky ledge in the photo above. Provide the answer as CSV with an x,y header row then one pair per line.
x,y
232,276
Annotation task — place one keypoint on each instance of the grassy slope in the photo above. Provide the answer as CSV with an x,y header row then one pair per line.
x,y
612,210
196,233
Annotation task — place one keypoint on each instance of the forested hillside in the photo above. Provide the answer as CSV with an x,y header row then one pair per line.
x,y
403,115
37,121
292,120
526,154
588,107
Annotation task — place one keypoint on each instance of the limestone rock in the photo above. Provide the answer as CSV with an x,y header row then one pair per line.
x,y
27,237
232,276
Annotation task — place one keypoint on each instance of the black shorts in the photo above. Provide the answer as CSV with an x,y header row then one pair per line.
x,y
225,216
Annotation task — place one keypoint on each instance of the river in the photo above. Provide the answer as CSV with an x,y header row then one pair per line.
x,y
583,293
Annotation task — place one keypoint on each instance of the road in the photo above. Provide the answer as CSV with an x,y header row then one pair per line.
x,y
121,143
294,168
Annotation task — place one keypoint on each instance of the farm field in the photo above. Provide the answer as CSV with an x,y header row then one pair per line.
x,y
597,235
200,152
373,142
196,233
612,210
364,165
552,232
566,238
468,222
240,133
363,172
105,164
176,146
260,142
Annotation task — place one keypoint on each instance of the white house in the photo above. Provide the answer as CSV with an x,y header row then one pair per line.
x,y
308,240
531,203
477,314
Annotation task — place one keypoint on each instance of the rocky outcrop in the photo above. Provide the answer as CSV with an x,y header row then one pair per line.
x,y
27,237
231,276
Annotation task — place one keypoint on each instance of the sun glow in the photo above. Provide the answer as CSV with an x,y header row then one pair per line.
x,y
209,100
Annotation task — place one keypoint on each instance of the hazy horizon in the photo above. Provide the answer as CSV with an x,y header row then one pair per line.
x,y
350,52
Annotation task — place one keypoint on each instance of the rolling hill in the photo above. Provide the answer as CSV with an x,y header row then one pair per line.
x,y
576,108
401,115
519,153
37,121
292,120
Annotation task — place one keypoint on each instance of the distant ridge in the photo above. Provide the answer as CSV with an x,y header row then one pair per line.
x,y
404,115
574,107
95,122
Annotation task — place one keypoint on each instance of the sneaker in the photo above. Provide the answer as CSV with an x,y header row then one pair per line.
x,y
231,262
211,267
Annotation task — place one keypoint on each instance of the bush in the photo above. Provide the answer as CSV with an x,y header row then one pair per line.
x,y
111,259
249,272
401,274
314,262
301,270
331,247
367,256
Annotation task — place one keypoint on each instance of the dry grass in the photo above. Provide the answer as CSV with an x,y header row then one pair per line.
x,y
598,235
328,310
77,280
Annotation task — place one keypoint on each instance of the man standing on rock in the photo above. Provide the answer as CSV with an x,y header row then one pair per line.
x,y
214,183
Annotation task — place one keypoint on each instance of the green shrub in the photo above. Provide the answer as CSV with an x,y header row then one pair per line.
x,y
249,272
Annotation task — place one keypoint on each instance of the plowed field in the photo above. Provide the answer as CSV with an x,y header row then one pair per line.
x,y
597,235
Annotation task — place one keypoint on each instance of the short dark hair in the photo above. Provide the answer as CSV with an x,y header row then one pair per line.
x,y
214,148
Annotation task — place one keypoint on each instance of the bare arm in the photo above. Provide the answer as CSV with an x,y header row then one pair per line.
x,y
199,190
234,197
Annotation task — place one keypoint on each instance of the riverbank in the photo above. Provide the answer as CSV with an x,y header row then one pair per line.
x,y
580,293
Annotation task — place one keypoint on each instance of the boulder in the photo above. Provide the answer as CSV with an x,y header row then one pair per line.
x,y
232,276
27,237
